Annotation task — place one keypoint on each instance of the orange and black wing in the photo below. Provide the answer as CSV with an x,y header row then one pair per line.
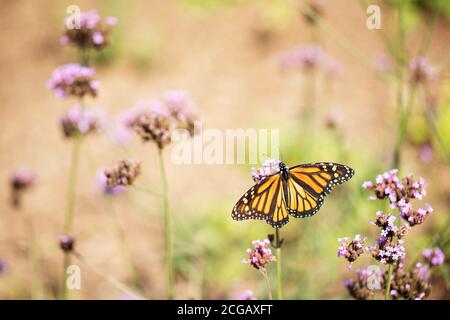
x,y
308,184
264,201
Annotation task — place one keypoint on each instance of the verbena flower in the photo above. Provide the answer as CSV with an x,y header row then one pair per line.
x,y
245,295
73,79
269,167
2,266
383,62
93,31
181,106
412,284
123,174
260,256
80,121
433,256
414,216
155,120
422,70
66,243
308,56
351,250
20,180
398,192
101,185
359,288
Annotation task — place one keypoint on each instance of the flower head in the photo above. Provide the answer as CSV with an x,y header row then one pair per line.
x,y
66,243
101,185
79,121
351,250
422,70
89,31
181,106
433,256
20,180
260,256
123,174
245,295
360,288
73,79
269,167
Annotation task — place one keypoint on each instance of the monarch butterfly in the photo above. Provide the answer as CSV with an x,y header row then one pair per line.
x,y
297,191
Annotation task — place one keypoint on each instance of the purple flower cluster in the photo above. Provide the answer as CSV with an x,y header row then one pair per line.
x,y
269,167
433,256
351,250
2,266
422,70
91,30
80,121
359,288
309,56
411,284
101,185
73,79
260,256
400,192
155,120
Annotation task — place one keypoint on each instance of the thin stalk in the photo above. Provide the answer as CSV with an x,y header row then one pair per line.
x,y
267,282
278,254
110,279
403,127
167,227
71,196
387,295
128,256
37,292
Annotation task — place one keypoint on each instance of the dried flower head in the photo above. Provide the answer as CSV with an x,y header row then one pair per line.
x,y
101,185
433,256
269,167
351,250
78,121
422,70
123,174
66,243
73,79
260,256
21,179
92,31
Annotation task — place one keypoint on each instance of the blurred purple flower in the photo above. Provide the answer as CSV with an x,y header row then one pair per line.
x,y
20,180
73,80
80,121
422,70
434,256
66,243
383,62
101,185
245,295
2,266
426,153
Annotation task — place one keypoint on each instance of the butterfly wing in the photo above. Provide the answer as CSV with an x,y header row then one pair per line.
x,y
308,184
264,201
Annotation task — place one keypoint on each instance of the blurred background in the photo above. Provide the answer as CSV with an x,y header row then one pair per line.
x,y
226,54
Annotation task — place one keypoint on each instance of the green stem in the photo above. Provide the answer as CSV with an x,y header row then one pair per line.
x,y
387,295
128,256
278,254
167,227
110,279
37,292
71,197
267,282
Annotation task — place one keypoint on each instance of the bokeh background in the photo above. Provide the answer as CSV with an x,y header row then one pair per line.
x,y
224,53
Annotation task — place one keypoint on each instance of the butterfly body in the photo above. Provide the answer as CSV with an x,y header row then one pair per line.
x,y
297,191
